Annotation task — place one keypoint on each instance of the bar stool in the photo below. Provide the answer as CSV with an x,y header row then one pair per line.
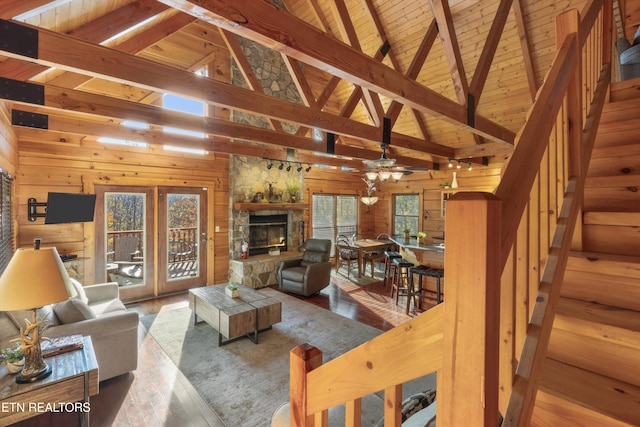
x,y
389,266
420,291
415,286
400,283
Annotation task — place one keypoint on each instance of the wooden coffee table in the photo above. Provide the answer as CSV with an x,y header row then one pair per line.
x,y
234,318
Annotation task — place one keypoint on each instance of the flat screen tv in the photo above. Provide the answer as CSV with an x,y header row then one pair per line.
x,y
69,207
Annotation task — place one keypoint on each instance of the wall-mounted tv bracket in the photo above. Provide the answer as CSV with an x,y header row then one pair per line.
x,y
33,209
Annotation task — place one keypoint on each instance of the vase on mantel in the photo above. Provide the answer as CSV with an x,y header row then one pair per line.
x,y
454,182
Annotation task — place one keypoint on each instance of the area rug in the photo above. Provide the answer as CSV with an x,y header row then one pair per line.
x,y
245,383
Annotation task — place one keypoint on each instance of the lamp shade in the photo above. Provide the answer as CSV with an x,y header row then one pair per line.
x,y
34,278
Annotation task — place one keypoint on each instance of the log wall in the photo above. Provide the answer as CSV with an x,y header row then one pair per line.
x,y
74,166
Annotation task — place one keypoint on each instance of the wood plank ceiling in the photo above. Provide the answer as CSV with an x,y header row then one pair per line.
x,y
456,78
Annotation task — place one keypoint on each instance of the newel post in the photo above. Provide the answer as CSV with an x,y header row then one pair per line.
x,y
303,359
468,382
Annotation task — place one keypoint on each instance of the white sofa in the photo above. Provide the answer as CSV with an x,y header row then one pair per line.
x,y
96,311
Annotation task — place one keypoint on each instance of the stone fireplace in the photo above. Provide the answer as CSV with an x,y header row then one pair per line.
x,y
248,176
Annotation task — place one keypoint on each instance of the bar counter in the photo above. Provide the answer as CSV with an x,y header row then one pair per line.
x,y
430,253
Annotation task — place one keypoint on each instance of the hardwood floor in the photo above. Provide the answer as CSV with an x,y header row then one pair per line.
x,y
157,394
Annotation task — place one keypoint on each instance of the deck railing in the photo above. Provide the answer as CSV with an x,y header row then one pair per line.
x,y
505,260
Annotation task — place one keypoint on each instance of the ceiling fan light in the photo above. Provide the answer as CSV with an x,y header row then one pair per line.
x,y
384,175
371,176
397,175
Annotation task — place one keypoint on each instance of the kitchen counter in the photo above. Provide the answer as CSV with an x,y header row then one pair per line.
x,y
430,244
430,253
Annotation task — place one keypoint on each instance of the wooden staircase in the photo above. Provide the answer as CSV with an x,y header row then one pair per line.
x,y
591,374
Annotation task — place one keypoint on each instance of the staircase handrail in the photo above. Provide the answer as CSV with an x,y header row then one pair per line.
x,y
316,387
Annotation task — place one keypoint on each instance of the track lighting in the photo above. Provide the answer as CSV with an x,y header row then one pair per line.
x,y
299,168
308,168
281,166
457,166
450,163
470,167
288,167
270,165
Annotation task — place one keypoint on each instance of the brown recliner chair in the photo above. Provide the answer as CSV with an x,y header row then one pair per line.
x,y
309,274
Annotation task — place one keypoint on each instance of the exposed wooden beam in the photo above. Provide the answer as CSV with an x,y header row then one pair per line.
x,y
525,46
59,50
12,8
488,51
348,31
96,31
442,15
298,39
103,106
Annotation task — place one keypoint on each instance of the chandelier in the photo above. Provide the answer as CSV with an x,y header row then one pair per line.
x,y
369,200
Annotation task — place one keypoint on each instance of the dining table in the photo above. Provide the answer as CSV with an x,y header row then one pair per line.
x,y
366,245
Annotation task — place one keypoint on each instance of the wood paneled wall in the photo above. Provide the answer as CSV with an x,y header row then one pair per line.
x,y
429,185
45,165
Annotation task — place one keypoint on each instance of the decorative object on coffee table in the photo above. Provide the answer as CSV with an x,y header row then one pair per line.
x,y
231,290
34,278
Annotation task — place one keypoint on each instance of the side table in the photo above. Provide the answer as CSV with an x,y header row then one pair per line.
x,y
73,380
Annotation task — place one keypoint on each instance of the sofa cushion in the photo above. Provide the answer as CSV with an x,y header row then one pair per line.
x,y
106,307
82,295
73,310
46,313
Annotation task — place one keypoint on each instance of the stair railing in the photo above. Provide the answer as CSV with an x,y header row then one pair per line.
x,y
505,260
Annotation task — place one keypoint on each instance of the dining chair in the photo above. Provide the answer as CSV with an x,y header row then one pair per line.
x,y
345,254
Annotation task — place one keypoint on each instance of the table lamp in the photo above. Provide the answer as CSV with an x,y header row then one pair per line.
x,y
34,278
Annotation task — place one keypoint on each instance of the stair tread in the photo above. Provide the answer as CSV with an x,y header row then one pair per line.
x,y
598,313
613,398
585,259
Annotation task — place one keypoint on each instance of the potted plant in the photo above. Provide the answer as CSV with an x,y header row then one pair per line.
x,y
274,251
293,188
13,358
232,290
407,234
421,235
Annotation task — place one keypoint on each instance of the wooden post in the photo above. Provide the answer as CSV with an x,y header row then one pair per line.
x,y
303,359
468,382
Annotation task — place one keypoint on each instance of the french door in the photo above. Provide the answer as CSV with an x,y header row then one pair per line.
x,y
182,238
153,238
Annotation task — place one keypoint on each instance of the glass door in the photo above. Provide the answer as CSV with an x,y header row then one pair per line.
x,y
182,239
124,234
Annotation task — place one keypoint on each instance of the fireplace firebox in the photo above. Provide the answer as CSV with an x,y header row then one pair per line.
x,y
267,231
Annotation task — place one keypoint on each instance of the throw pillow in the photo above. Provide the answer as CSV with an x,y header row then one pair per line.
x,y
80,290
73,310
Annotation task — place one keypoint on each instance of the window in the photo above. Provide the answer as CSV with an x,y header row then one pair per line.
x,y
332,215
406,210
6,229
